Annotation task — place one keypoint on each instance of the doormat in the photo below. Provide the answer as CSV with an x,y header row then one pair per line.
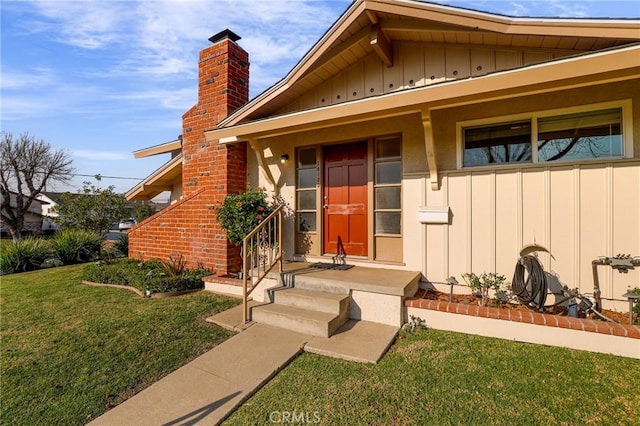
x,y
331,266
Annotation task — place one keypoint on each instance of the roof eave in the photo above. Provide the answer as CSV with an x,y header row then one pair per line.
x,y
163,148
629,29
621,61
147,185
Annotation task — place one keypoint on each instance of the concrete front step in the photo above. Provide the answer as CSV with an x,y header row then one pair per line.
x,y
320,284
300,320
332,303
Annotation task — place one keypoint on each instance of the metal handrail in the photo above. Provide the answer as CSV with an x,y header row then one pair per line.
x,y
261,251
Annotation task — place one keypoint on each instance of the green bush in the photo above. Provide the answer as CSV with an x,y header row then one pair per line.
x,y
122,244
27,254
241,213
151,276
114,273
636,305
76,246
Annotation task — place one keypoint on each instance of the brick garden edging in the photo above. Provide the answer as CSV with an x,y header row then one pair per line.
x,y
594,326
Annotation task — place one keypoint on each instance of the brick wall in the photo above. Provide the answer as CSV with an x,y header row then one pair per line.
x,y
209,172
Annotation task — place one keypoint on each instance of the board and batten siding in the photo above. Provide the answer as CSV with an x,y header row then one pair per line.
x,y
579,212
415,65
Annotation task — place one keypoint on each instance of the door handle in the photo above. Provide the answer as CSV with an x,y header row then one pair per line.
x,y
325,206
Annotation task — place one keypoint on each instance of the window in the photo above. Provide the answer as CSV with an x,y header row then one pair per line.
x,y
546,138
578,136
307,179
503,143
387,186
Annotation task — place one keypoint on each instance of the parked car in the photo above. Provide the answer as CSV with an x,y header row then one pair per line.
x,y
126,224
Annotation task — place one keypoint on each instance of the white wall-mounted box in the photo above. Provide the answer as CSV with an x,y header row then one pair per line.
x,y
433,214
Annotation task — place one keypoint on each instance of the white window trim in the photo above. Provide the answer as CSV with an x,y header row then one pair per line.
x,y
627,132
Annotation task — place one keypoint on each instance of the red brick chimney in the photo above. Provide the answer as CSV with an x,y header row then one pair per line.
x,y
209,170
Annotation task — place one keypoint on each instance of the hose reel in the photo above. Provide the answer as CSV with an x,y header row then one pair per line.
x,y
529,282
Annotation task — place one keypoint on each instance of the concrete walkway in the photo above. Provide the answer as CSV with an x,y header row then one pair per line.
x,y
209,388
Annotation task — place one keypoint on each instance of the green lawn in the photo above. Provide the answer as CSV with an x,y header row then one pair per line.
x,y
70,351
443,378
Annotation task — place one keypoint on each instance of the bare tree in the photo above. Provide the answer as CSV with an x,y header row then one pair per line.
x,y
27,164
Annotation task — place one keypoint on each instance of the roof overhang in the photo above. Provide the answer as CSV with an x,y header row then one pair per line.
x,y
162,148
163,179
578,71
405,10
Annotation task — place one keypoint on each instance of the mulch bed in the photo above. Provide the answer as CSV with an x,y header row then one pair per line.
x,y
470,299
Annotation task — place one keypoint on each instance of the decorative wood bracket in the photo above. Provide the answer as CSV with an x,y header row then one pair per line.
x,y
253,142
381,45
431,152
373,17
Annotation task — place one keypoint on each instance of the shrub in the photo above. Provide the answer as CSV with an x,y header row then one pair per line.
x,y
175,265
636,304
239,214
76,246
122,244
27,254
484,283
115,273
152,276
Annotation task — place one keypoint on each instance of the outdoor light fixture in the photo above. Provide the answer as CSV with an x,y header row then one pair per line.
x,y
284,158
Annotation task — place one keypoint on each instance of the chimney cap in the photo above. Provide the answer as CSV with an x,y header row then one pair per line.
x,y
224,34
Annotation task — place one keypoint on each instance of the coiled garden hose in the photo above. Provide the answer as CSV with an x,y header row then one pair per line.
x,y
532,291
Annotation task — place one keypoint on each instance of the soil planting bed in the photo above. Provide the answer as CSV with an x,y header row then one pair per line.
x,y
469,299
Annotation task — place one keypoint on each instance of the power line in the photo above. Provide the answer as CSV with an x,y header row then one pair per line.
x,y
106,177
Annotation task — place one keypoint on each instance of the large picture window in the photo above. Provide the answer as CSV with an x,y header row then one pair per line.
x,y
546,138
577,136
502,143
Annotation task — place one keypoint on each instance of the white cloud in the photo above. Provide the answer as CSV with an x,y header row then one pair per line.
x,y
180,99
86,154
161,38
84,24
37,77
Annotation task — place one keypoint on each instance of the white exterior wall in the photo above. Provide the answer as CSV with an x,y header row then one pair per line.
x,y
579,212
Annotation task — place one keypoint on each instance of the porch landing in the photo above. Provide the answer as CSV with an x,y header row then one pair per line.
x,y
347,277
374,294
341,278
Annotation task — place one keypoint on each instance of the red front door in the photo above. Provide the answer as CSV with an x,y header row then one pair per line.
x,y
345,199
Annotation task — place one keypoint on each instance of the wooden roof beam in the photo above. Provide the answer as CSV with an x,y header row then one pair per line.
x,y
373,17
381,45
339,49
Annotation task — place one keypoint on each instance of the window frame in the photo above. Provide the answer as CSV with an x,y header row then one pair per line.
x,y
376,161
626,127
298,190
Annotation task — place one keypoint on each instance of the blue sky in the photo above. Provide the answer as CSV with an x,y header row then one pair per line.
x,y
106,77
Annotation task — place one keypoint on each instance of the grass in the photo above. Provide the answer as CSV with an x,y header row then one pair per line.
x,y
443,378
69,351
5,242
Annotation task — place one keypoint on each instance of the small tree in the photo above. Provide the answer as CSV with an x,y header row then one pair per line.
x,y
93,209
143,211
27,165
